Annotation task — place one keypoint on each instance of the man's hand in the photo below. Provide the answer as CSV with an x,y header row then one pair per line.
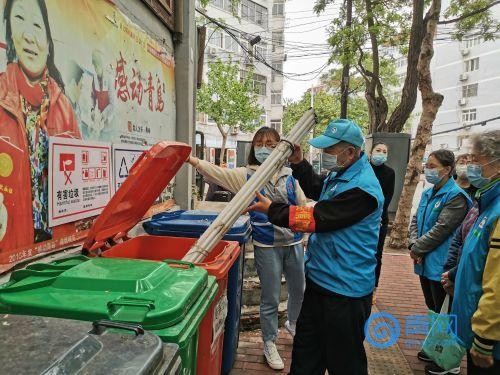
x,y
416,259
481,360
296,156
447,283
262,205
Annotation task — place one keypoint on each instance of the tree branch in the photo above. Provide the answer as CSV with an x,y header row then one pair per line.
x,y
471,14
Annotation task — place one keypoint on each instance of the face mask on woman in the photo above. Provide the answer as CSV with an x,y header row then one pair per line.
x,y
432,176
379,159
262,153
475,175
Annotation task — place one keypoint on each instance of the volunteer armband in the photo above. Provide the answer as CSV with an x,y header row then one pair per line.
x,y
301,219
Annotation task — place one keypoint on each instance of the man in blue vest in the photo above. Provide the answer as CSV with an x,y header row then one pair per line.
x,y
341,256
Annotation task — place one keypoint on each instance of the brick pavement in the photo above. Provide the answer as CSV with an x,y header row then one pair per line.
x,y
399,294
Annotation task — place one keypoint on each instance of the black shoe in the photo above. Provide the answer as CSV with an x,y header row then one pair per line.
x,y
433,369
423,357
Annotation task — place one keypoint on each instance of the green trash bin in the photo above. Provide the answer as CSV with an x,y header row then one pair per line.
x,y
167,298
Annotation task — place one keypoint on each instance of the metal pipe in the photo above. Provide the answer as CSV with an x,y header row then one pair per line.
x,y
246,195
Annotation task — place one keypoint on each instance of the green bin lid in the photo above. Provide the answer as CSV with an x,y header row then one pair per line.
x,y
154,294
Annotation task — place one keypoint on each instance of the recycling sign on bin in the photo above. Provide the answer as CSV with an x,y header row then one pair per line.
x,y
124,158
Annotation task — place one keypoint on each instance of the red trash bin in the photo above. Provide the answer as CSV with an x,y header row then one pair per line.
x,y
108,238
218,264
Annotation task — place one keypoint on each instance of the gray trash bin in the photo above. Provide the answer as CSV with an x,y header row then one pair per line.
x,y
39,345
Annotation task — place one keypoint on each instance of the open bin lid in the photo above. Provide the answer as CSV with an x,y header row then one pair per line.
x,y
194,221
148,177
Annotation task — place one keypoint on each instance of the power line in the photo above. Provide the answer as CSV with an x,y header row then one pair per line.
x,y
482,123
257,55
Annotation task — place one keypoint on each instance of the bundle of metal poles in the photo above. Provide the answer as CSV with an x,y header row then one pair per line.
x,y
246,195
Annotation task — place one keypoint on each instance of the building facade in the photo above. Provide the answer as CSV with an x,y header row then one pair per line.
x,y
467,73
259,27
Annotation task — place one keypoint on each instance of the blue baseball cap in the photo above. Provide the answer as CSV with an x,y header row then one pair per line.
x,y
337,131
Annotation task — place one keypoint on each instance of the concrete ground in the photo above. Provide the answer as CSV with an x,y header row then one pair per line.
x,y
399,294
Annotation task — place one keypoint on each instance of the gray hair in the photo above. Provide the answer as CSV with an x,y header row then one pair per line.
x,y
487,144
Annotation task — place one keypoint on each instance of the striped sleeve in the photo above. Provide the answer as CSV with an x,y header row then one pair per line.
x,y
486,319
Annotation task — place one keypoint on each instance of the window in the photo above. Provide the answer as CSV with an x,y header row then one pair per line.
x,y
217,3
276,97
225,5
277,39
254,13
216,38
469,90
230,7
400,62
402,78
471,41
261,50
260,84
230,44
278,66
471,65
276,124
469,115
279,9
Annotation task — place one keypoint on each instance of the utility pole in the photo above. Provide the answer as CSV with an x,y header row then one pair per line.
x,y
344,85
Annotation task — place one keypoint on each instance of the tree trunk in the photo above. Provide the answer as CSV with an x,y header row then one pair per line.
x,y
431,101
409,93
344,85
223,133
377,103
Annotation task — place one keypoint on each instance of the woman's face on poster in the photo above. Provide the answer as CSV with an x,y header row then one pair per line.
x,y
29,36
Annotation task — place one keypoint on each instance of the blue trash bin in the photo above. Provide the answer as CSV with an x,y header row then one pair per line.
x,y
192,224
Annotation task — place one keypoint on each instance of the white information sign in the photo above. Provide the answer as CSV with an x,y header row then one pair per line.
x,y
79,179
124,157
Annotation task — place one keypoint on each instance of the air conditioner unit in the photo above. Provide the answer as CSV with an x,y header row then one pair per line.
x,y
464,77
462,102
234,130
465,51
212,51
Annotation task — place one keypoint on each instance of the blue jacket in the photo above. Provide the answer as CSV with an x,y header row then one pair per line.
x,y
283,191
343,261
469,279
427,215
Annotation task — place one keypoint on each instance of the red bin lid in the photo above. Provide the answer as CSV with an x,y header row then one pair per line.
x,y
148,177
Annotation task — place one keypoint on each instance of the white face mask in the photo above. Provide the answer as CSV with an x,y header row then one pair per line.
x,y
330,162
461,170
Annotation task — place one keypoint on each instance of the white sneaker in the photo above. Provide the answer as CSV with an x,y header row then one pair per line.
x,y
290,327
272,356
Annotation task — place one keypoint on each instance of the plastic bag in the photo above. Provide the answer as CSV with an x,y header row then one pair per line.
x,y
441,344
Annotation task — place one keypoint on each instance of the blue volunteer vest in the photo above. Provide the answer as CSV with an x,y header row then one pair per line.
x,y
284,192
427,214
469,279
343,261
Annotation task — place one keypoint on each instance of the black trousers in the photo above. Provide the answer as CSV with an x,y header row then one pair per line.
x,y
434,293
472,369
380,250
330,334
